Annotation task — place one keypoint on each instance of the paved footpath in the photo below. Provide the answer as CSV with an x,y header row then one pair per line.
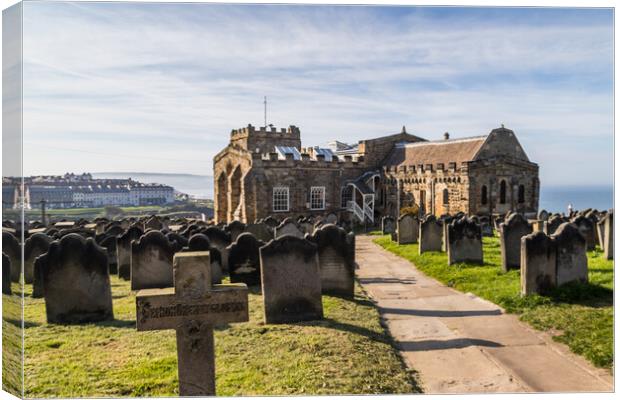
x,y
460,343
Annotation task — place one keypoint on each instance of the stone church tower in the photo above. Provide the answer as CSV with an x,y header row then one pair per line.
x,y
266,172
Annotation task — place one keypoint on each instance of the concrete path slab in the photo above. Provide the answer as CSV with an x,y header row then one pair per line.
x,y
460,343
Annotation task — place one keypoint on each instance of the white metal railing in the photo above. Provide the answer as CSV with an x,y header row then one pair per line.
x,y
356,209
368,212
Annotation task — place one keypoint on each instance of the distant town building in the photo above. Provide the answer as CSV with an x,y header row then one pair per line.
x,y
70,191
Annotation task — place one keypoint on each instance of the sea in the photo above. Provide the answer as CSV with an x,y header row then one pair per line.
x,y
552,198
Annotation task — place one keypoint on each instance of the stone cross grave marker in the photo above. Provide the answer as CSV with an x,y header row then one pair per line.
x,y
192,307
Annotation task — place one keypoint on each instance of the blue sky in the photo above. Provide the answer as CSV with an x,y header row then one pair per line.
x,y
158,87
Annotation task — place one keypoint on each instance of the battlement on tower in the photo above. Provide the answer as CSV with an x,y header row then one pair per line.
x,y
263,139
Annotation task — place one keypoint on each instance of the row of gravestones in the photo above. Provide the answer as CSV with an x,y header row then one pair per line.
x,y
460,237
82,265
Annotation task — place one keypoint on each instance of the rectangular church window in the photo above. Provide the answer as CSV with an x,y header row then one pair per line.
x,y
317,197
280,198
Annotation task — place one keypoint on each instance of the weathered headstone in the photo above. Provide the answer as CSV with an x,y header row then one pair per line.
x,y
200,242
271,222
510,234
572,262
431,232
34,246
553,223
153,223
6,274
220,240
388,225
288,227
109,243
608,247
543,215
37,283
261,231
76,281
244,260
235,228
291,280
192,307
407,229
123,251
464,242
587,229
12,248
331,218
538,263
151,262
336,263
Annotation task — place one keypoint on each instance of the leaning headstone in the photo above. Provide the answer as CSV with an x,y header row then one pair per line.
x,y
290,228
123,251
34,246
261,231
538,264
192,307
6,274
553,223
291,280
572,262
407,229
336,263
464,242
510,234
543,215
600,232
431,232
608,247
587,229
76,281
244,260
12,248
151,262
388,225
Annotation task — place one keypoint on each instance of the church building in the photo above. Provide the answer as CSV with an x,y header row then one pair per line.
x,y
266,171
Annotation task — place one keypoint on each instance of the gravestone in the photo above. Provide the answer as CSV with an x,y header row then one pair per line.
x,y
543,215
6,274
464,241
538,264
153,223
76,282
288,227
271,222
177,241
244,260
151,261
220,240
12,248
388,225
407,229
37,282
587,229
486,227
608,247
306,227
235,228
200,242
291,280
553,223
600,230
431,232
123,251
336,260
261,231
331,218
571,262
510,234
192,307
446,219
34,246
109,243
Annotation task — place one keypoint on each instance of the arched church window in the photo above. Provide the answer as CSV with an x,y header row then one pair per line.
x,y
521,194
446,197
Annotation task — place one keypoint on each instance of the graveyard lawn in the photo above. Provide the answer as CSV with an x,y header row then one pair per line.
x,y
579,315
347,352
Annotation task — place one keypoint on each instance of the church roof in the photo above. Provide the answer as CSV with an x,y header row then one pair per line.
x,y
435,152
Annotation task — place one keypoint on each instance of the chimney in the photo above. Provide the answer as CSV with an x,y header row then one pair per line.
x,y
446,136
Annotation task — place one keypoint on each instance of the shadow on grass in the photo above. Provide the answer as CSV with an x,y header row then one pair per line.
x,y
460,343
585,294
18,323
341,326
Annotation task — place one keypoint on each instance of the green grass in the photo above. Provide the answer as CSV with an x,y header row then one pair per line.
x,y
579,315
347,352
11,342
